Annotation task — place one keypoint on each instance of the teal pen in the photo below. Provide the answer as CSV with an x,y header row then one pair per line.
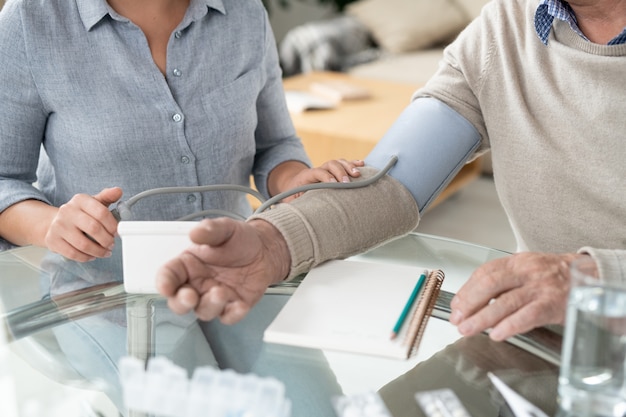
x,y
407,306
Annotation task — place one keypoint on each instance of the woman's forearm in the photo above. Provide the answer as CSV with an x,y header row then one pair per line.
x,y
26,222
279,178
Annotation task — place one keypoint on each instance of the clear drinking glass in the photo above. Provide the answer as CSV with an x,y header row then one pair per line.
x,y
592,378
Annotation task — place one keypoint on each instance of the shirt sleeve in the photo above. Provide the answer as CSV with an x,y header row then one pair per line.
x,y
276,138
22,114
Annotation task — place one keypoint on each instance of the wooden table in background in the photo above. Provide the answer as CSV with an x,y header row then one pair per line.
x,y
352,129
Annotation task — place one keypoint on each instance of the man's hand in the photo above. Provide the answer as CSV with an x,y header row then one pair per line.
x,y
226,271
513,295
84,228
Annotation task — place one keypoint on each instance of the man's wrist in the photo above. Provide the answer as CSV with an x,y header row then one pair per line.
x,y
276,246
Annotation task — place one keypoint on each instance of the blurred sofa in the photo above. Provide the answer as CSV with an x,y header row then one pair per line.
x,y
397,40
393,40
410,34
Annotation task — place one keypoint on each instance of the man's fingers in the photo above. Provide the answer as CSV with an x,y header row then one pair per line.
x,y
213,232
523,320
525,290
228,267
234,312
486,283
185,300
172,275
493,313
227,243
215,301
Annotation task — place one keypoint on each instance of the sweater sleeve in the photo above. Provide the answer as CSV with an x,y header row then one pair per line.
x,y
611,263
330,224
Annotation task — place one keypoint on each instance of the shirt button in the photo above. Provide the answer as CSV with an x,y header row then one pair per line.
x,y
191,198
178,34
177,118
184,159
177,72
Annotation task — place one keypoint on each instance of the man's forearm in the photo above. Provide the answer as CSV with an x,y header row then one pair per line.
x,y
330,224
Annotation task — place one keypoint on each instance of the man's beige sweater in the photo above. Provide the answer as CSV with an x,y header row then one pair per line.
x,y
554,118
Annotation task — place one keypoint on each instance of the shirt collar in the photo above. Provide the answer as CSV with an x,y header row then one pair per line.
x,y
548,10
92,11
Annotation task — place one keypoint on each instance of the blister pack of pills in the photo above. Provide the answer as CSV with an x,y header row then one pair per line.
x,y
441,403
367,404
164,390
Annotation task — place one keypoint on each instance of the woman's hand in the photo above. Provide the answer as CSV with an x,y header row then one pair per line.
x,y
336,170
84,229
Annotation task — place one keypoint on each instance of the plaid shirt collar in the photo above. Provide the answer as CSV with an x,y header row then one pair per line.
x,y
548,10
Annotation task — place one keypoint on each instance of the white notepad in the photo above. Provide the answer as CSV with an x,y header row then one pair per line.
x,y
352,306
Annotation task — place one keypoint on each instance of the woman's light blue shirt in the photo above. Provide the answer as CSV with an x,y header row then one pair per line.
x,y
80,80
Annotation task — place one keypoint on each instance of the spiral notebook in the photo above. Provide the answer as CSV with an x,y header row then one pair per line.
x,y
354,306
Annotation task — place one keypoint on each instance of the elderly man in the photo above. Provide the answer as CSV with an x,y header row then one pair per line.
x,y
540,84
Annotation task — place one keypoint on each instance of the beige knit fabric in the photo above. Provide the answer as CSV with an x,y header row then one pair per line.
x,y
329,224
555,119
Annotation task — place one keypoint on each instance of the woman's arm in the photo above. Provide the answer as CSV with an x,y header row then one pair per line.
x,y
27,222
81,230
292,174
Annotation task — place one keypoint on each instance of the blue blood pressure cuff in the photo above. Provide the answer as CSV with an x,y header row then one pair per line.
x,y
432,142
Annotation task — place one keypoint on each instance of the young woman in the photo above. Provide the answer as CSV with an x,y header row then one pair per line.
x,y
110,98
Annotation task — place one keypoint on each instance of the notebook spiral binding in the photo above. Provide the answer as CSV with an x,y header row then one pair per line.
x,y
425,305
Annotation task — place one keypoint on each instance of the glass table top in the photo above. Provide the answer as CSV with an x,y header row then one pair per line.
x,y
73,322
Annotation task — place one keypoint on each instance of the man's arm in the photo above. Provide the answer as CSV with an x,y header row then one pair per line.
x,y
432,142
330,224
226,271
232,263
323,224
517,293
